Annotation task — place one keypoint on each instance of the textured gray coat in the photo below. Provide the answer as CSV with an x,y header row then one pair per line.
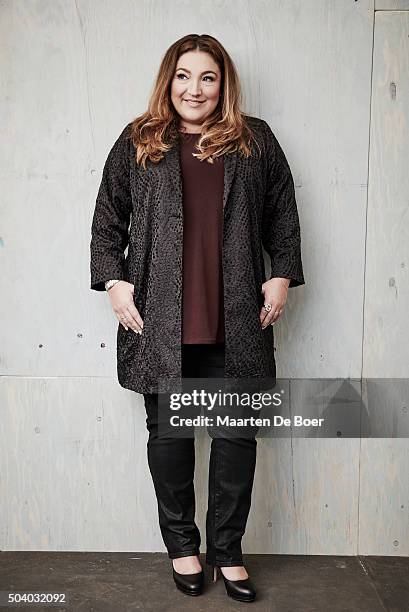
x,y
143,209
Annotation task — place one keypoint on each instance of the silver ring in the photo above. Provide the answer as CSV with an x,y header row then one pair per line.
x,y
268,307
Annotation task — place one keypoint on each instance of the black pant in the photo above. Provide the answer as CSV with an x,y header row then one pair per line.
x,y
231,474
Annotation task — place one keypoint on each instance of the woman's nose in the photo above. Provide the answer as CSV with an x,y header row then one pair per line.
x,y
194,89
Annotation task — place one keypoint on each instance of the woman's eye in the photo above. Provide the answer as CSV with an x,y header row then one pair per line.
x,y
181,76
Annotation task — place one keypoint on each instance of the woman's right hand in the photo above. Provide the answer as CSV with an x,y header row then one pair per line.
x,y
121,296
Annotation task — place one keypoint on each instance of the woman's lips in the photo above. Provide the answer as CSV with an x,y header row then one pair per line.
x,y
193,102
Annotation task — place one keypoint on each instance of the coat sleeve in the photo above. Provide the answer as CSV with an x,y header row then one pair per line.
x,y
280,226
109,229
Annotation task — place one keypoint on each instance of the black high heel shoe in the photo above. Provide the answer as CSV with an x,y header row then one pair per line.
x,y
189,584
241,590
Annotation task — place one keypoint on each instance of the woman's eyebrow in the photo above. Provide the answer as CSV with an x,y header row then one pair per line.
x,y
204,72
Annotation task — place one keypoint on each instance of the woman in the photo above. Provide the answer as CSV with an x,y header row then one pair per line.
x,y
205,187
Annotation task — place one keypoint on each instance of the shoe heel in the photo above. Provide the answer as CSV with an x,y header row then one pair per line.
x,y
214,573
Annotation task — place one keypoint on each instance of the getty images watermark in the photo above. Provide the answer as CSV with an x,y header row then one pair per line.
x,y
209,401
267,407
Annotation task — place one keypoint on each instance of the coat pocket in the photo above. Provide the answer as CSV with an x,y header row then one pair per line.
x,y
130,345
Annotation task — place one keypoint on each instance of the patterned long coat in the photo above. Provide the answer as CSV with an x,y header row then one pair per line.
x,y
143,210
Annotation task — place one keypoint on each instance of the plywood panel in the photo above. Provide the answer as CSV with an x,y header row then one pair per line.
x,y
74,469
386,334
82,70
384,488
392,5
384,498
75,477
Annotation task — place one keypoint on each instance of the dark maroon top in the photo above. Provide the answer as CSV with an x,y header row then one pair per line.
x,y
203,312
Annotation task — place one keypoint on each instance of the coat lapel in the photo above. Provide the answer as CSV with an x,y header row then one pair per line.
x,y
230,162
172,158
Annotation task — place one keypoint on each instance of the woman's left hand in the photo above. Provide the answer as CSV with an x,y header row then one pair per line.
x,y
275,293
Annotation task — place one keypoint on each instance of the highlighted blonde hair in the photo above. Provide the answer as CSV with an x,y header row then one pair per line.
x,y
226,130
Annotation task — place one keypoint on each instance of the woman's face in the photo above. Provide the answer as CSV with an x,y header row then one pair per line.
x,y
195,88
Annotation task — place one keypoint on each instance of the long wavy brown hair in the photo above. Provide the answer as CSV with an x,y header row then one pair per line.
x,y
226,130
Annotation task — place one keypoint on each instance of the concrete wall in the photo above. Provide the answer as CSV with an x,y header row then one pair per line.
x,y
332,80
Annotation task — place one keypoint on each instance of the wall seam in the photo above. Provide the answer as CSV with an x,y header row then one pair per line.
x,y
364,279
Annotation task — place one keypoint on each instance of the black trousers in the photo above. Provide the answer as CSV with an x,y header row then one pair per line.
x,y
231,474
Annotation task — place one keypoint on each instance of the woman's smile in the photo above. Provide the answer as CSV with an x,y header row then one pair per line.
x,y
194,102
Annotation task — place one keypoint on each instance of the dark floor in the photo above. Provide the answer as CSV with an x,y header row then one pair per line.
x,y
120,582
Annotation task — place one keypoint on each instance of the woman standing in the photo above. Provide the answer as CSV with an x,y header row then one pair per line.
x,y
205,187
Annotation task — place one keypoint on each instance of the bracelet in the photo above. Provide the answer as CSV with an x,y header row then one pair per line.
x,y
110,284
